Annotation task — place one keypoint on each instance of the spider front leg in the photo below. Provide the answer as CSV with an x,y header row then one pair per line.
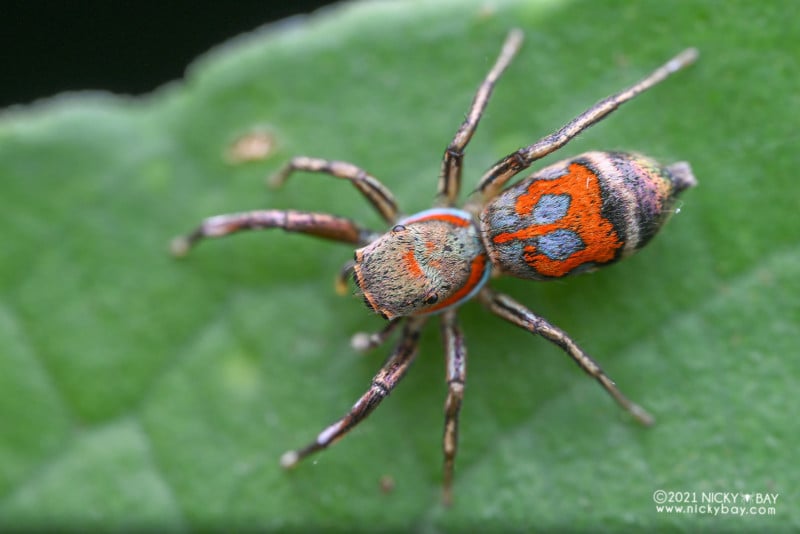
x,y
382,384
373,190
450,175
515,313
494,179
456,362
318,224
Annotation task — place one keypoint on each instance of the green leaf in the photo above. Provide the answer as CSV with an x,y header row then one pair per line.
x,y
137,391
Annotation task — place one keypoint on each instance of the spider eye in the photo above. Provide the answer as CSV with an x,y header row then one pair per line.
x,y
431,299
398,228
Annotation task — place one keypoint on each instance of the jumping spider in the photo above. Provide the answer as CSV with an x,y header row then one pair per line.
x,y
574,216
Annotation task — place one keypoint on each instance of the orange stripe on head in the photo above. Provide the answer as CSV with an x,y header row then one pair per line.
x,y
445,217
412,265
476,277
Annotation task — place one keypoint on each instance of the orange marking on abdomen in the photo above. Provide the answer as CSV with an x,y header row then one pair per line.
x,y
584,217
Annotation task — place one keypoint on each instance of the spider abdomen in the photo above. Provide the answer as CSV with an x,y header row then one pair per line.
x,y
580,214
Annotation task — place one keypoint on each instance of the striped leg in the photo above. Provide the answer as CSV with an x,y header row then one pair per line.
x,y
456,361
515,313
316,224
450,175
374,191
382,384
494,179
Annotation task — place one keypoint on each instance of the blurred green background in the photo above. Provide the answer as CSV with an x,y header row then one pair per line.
x,y
138,392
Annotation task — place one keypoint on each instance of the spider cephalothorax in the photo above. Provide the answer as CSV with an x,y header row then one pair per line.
x,y
426,263
573,216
